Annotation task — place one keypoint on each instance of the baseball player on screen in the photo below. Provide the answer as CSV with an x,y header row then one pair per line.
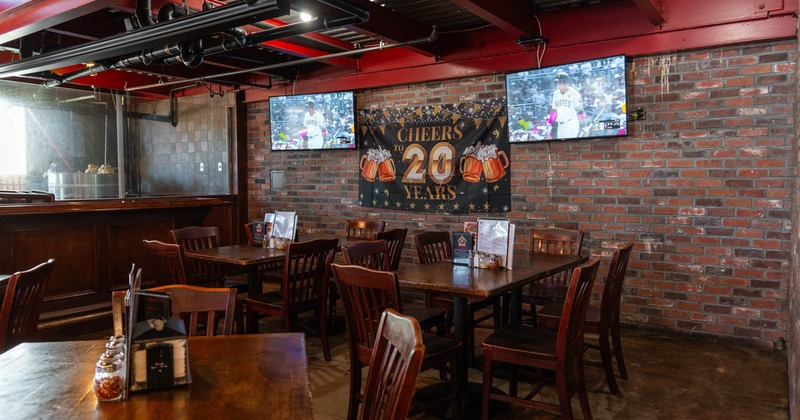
x,y
315,124
566,109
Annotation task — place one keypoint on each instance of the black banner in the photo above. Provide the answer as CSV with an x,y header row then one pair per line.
x,y
450,158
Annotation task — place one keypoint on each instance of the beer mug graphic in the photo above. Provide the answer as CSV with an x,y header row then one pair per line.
x,y
494,169
471,168
368,168
386,171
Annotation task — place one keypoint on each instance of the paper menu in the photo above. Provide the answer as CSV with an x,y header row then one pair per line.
x,y
496,237
284,225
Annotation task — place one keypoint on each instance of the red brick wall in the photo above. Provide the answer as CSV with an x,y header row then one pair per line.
x,y
703,186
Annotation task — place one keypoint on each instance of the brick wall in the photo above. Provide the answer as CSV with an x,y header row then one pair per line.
x,y
703,185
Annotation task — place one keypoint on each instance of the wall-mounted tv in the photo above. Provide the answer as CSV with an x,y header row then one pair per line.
x,y
578,100
312,122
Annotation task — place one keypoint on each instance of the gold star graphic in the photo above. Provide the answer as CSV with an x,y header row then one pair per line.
x,y
427,206
412,205
441,206
397,204
385,204
472,206
456,206
486,206
374,203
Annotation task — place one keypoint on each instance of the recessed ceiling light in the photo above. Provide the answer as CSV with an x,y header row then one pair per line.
x,y
305,17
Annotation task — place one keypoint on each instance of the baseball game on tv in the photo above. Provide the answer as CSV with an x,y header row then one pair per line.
x,y
578,100
312,122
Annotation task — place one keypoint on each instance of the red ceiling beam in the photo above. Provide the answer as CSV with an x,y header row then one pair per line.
x,y
512,16
398,66
651,10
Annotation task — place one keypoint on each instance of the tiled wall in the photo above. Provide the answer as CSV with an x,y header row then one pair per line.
x,y
170,157
703,185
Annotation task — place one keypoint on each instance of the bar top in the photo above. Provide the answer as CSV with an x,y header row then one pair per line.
x,y
109,204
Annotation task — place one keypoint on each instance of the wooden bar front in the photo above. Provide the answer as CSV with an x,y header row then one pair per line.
x,y
94,243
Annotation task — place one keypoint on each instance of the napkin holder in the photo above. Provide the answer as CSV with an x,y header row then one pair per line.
x,y
158,355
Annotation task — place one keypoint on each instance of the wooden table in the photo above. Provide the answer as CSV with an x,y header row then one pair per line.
x,y
248,376
247,255
462,282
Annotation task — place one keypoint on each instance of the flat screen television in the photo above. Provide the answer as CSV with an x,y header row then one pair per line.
x,y
312,122
578,100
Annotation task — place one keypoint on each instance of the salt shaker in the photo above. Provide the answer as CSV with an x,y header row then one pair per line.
x,y
108,378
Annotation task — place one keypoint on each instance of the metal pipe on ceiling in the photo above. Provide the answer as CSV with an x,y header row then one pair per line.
x,y
189,27
431,38
170,54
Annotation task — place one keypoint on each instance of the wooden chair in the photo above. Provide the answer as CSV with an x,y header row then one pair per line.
x,y
433,246
558,351
551,241
206,273
172,264
169,260
375,255
363,229
366,294
394,368
395,240
304,289
193,302
22,304
270,272
602,320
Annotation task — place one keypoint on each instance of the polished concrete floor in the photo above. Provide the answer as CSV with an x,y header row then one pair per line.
x,y
669,378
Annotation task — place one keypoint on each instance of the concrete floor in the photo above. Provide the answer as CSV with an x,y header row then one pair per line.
x,y
669,378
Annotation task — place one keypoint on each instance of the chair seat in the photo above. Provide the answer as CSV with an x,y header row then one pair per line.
x,y
436,345
427,317
550,314
525,340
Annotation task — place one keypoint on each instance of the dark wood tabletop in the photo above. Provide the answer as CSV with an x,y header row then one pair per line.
x,y
247,376
461,280
241,254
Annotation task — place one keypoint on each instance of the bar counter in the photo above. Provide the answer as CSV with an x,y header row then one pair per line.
x,y
94,243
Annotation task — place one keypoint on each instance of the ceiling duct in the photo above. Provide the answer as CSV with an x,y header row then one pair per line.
x,y
189,27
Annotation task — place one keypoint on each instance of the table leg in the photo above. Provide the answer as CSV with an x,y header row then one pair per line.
x,y
253,282
516,305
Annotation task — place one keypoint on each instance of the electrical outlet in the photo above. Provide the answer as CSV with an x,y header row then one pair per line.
x,y
201,167
219,166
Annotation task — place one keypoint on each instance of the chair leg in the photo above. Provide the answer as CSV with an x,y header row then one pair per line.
x,y
562,391
608,366
487,382
355,389
238,316
252,321
615,336
580,385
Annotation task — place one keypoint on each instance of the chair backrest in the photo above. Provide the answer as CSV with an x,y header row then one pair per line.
x,y
199,237
612,290
195,302
169,260
394,368
248,231
556,241
569,343
395,240
364,229
370,254
306,273
22,304
366,294
433,246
